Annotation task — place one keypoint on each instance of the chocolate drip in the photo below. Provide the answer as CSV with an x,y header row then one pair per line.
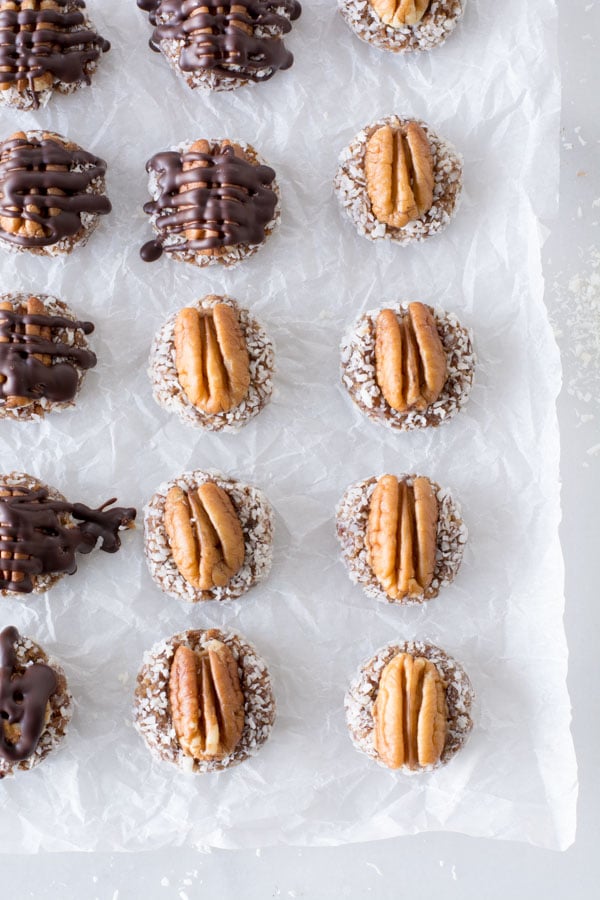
x,y
29,169
230,37
34,42
30,527
22,375
23,699
235,203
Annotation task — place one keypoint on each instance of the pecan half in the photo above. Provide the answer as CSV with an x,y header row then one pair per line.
x,y
205,535
25,37
410,362
206,699
211,357
10,575
399,173
410,713
16,224
401,535
33,307
400,12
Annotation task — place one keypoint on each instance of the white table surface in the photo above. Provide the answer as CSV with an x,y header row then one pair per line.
x,y
436,865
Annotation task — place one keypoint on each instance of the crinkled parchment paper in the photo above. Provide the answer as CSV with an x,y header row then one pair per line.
x,y
493,90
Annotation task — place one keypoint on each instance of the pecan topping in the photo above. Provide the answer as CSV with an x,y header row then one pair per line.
x,y
52,371
211,357
207,703
399,174
212,196
402,535
24,700
400,12
410,362
46,184
410,713
44,40
230,37
205,535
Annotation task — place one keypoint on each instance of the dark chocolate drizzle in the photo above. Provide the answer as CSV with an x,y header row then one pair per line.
x,y
245,42
25,376
27,173
34,42
30,526
23,699
237,201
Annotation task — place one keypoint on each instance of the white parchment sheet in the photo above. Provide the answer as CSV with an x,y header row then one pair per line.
x,y
493,90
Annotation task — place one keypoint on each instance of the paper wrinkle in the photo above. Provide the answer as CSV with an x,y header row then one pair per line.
x,y
493,91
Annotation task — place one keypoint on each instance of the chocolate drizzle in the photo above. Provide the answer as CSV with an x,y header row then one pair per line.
x,y
22,375
23,699
35,541
45,183
229,37
39,42
219,197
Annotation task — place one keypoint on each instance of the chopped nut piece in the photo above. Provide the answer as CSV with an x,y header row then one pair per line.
x,y
207,703
410,713
402,535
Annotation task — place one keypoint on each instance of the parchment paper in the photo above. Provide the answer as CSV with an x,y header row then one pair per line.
x,y
494,91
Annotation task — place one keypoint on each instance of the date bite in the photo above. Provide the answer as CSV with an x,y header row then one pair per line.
x,y
402,537
409,707
212,364
203,700
35,704
402,26
213,202
52,193
221,45
408,366
44,355
41,533
208,537
399,181
46,46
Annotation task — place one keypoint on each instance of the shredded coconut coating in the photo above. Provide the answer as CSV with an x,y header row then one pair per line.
x,y
41,583
25,100
89,221
169,394
350,185
359,374
256,518
352,516
152,715
362,694
437,24
72,337
60,702
224,256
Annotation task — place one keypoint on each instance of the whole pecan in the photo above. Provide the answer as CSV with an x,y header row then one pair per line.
x,y
206,700
205,535
211,357
399,173
401,535
410,713
410,362
400,12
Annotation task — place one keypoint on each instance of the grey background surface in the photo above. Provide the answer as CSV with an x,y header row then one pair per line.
x,y
436,864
